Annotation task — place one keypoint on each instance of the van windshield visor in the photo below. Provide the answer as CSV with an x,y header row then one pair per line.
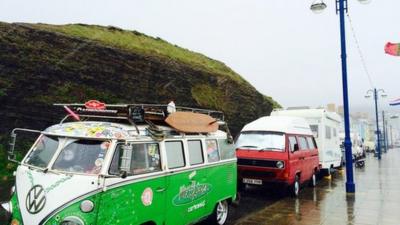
x,y
261,141
81,156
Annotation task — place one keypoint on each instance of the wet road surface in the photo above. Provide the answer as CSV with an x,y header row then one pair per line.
x,y
376,201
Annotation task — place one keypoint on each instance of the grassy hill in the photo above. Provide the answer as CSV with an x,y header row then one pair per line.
x,y
42,64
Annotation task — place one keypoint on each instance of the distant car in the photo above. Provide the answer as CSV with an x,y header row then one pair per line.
x,y
277,150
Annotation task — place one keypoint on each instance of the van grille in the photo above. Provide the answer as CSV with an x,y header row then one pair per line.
x,y
256,162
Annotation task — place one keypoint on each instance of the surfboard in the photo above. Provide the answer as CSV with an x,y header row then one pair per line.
x,y
190,122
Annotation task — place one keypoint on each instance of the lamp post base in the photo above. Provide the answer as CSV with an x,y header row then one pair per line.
x,y
350,187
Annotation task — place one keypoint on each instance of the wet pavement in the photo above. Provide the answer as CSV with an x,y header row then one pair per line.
x,y
376,201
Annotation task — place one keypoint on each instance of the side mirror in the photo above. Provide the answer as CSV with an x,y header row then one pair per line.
x,y
229,139
123,174
126,159
295,147
11,152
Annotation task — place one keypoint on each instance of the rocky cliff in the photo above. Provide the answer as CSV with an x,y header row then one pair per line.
x,y
42,64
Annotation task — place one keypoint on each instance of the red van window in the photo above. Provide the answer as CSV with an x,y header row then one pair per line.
x,y
303,143
292,142
311,143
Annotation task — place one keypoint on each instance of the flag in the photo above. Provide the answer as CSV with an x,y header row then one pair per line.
x,y
392,49
395,102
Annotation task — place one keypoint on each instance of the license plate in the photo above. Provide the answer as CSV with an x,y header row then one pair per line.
x,y
252,181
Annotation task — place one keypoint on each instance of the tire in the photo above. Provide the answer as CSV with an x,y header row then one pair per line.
x,y
328,172
295,188
220,214
241,186
360,164
313,180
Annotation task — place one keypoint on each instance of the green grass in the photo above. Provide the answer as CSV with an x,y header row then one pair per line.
x,y
142,44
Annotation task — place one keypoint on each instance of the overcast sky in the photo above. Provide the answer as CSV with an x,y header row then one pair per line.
x,y
279,46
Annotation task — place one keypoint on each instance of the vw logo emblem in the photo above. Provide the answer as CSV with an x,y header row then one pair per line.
x,y
36,199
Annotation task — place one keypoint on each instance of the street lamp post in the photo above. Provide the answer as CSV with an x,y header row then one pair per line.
x,y
384,131
341,7
378,135
386,135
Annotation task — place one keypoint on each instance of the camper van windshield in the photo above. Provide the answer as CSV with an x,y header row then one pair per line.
x,y
262,141
42,151
76,155
82,156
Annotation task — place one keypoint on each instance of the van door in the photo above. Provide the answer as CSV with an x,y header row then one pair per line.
x,y
304,158
295,156
140,196
185,202
314,159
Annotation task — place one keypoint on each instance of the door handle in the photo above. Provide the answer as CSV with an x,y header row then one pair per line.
x,y
160,189
301,158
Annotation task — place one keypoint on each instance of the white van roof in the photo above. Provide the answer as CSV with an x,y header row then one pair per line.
x,y
284,124
308,113
108,130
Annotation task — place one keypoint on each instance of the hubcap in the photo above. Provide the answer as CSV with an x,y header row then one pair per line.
x,y
222,212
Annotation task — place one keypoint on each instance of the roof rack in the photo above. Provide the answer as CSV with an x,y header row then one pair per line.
x,y
133,113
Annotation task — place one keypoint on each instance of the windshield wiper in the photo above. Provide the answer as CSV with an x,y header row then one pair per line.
x,y
268,148
247,146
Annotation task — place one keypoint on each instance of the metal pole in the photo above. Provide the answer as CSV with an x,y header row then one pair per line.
x,y
384,131
378,146
391,135
350,185
387,135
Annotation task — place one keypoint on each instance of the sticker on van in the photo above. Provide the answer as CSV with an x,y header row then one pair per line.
x,y
188,194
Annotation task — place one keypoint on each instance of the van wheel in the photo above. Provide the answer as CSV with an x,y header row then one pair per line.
x,y
313,180
296,187
220,214
328,172
241,186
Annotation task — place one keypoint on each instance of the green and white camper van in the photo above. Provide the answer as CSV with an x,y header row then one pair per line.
x,y
138,170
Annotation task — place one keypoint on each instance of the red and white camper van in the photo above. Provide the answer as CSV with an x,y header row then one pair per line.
x,y
277,150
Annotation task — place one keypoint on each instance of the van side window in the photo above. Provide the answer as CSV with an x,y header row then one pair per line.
x,y
328,134
292,142
195,152
212,150
144,158
314,129
175,155
302,143
227,150
311,143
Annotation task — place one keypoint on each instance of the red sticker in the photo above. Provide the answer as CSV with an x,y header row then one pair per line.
x,y
147,197
94,104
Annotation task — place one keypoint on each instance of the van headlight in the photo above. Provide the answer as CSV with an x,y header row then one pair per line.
x,y
280,164
72,220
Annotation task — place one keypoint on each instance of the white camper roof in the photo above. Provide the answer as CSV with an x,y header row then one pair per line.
x,y
284,124
308,113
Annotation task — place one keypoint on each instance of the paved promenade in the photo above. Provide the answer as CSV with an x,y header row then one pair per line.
x,y
376,201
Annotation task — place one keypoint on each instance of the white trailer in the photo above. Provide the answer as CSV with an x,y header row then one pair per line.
x,y
325,126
